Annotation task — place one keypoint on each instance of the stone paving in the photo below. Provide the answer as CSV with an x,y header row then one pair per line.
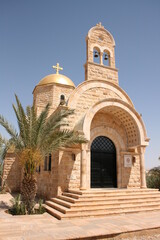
x,y
38,227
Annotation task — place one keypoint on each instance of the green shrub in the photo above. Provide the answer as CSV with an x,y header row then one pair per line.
x,y
3,188
18,207
153,178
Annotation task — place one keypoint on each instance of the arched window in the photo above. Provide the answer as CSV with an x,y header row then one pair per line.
x,y
62,100
106,58
96,55
45,163
48,162
62,97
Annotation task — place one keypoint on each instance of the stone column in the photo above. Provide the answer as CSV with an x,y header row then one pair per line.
x,y
101,58
142,167
83,168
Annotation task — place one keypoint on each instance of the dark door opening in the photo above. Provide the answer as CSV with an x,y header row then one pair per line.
x,y
103,163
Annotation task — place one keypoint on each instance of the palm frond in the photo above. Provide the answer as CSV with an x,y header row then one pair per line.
x,y
22,121
32,130
9,128
54,122
40,124
4,146
62,138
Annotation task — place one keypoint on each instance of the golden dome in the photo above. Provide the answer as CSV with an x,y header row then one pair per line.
x,y
56,78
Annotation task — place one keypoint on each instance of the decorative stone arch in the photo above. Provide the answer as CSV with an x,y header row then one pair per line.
x,y
124,107
112,104
106,49
89,84
108,132
96,46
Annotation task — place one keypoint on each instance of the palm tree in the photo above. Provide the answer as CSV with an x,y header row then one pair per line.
x,y
37,137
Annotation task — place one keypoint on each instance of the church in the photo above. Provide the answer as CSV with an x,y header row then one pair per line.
x,y
113,157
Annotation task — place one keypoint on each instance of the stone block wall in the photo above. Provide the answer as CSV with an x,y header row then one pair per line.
x,y
69,170
131,176
12,173
64,174
94,71
47,181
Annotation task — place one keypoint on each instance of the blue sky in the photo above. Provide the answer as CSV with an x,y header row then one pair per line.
x,y
36,34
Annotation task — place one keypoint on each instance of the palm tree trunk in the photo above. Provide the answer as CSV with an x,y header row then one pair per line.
x,y
28,191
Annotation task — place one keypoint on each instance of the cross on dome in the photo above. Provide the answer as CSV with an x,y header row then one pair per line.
x,y
57,67
99,25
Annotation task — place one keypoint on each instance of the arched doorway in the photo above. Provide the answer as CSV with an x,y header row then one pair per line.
x,y
103,163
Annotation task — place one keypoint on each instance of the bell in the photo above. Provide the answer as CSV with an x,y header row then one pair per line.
x,y
105,57
96,55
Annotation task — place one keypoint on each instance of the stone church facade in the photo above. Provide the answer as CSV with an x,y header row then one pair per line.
x,y
104,114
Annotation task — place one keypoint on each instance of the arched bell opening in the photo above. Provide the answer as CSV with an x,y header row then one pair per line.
x,y
103,163
96,55
106,58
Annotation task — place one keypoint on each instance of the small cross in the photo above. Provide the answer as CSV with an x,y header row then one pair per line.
x,y
57,67
99,24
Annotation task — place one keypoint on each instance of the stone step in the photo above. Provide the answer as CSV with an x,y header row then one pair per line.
x,y
99,213
67,199
120,207
105,206
76,203
114,202
54,212
59,211
103,213
72,195
111,191
62,206
103,201
56,206
110,196
61,202
76,191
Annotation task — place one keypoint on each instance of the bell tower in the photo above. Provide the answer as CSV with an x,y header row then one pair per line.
x,y
100,56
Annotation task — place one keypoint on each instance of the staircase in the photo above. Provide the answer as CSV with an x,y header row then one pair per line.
x,y
100,203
